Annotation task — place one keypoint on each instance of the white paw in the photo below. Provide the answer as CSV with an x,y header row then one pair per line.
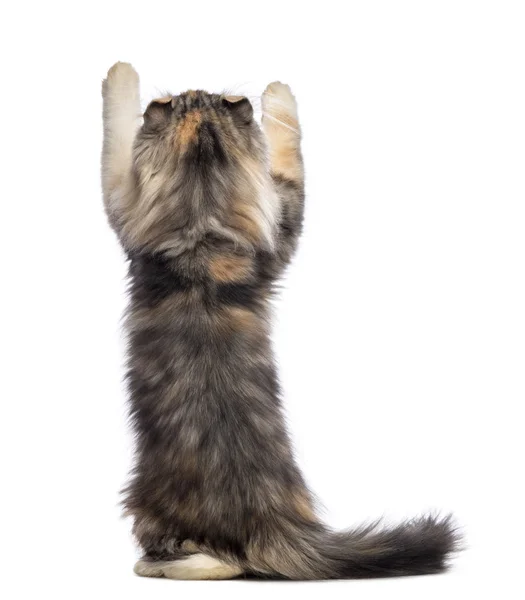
x,y
278,100
200,566
122,77
146,568
196,566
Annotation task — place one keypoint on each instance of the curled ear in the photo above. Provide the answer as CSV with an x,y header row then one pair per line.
x,y
158,112
240,108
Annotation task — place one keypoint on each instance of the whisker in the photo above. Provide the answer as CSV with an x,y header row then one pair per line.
x,y
268,116
280,101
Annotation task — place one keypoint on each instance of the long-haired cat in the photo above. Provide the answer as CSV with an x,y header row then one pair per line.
x,y
208,207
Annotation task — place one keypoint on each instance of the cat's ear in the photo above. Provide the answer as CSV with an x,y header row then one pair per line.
x,y
158,112
240,108
163,100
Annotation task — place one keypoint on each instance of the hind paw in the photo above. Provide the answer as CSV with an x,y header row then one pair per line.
x,y
195,567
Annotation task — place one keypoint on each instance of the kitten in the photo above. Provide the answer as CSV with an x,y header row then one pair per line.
x,y
209,209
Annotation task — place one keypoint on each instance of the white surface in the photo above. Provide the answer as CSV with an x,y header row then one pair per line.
x,y
401,328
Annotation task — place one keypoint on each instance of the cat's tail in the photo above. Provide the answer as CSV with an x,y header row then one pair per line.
x,y
310,551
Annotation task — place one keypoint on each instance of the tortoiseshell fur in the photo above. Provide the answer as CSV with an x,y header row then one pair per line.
x,y
209,209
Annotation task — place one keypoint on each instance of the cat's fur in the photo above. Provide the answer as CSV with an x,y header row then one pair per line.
x,y
209,209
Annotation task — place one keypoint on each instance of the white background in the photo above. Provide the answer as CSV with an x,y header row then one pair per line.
x,y
400,330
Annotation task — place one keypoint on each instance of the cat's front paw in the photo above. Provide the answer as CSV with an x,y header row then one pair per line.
x,y
122,77
279,103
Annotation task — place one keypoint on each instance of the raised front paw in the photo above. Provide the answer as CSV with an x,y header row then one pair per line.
x,y
122,77
279,105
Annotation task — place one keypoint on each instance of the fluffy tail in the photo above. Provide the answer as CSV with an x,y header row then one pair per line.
x,y
417,547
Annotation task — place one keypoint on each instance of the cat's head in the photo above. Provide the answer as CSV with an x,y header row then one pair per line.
x,y
201,170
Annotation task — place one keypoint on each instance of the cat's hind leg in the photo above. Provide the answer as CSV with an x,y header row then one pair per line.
x,y
197,566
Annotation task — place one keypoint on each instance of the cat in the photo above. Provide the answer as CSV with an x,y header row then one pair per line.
x,y
208,207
